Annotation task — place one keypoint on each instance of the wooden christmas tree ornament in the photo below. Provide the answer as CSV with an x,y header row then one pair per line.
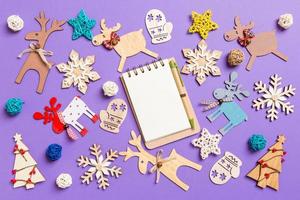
x,y
25,168
37,54
127,45
167,166
266,173
257,45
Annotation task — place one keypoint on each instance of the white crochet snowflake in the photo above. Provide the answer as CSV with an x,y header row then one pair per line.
x,y
208,143
78,71
274,97
99,166
202,62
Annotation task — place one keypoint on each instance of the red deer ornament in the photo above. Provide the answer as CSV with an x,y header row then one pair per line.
x,y
36,59
257,45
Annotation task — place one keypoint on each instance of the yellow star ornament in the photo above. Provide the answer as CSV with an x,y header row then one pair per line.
x,y
202,23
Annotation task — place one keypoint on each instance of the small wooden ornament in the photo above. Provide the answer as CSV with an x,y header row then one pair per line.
x,y
99,166
167,167
257,45
266,173
274,97
25,168
127,45
158,27
113,117
37,55
226,167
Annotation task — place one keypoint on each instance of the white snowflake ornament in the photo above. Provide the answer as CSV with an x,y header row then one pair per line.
x,y
201,62
274,97
100,166
208,143
78,71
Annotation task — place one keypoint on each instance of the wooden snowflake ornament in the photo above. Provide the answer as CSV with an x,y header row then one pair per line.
x,y
201,62
274,97
78,71
100,166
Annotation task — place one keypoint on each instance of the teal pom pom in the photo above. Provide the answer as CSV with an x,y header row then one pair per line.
x,y
257,142
53,152
14,106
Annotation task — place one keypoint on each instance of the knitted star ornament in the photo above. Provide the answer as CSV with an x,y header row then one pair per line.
x,y
82,26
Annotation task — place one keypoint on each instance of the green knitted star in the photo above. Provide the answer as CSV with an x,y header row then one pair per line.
x,y
82,26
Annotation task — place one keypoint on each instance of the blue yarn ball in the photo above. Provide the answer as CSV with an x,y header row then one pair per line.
x,y
257,142
14,106
54,152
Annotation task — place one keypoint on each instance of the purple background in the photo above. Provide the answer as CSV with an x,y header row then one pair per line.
x,y
131,13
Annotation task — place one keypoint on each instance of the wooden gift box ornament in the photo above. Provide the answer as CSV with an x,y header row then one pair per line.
x,y
37,54
257,45
167,166
126,45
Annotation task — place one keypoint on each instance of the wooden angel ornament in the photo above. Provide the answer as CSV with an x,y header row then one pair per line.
x,y
126,45
266,173
167,166
257,45
37,54
25,168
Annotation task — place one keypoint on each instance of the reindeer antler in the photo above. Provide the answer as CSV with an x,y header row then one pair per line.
x,y
103,24
56,26
42,20
128,154
136,141
113,29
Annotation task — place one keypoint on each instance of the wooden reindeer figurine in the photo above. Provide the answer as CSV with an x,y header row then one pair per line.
x,y
36,59
127,45
167,167
257,45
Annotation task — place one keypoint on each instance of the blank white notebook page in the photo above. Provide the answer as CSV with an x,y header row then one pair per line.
x,y
156,101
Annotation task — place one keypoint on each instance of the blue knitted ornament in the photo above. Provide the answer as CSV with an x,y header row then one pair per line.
x,y
53,152
14,106
257,142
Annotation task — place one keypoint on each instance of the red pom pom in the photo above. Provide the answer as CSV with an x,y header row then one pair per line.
x,y
13,171
13,181
261,162
264,165
267,175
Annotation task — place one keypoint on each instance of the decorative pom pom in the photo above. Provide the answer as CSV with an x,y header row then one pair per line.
x,y
53,152
110,88
64,181
14,106
235,57
15,23
285,21
257,142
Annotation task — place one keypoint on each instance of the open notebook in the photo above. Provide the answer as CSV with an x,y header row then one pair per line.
x,y
160,103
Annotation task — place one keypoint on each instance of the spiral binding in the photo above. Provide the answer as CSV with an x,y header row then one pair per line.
x,y
139,69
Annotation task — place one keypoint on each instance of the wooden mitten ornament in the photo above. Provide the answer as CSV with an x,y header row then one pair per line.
x,y
266,173
257,45
127,45
227,107
158,27
37,54
113,117
225,168
25,168
167,166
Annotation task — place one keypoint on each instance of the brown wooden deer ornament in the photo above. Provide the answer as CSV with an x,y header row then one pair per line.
x,y
257,45
167,167
36,59
127,45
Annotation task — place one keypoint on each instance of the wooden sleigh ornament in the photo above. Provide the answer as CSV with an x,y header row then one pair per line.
x,y
257,45
126,45
167,166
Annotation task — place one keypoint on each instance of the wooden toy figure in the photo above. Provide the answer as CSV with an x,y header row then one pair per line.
x,y
37,54
127,45
257,45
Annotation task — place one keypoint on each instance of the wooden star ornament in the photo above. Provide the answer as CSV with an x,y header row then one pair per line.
x,y
202,23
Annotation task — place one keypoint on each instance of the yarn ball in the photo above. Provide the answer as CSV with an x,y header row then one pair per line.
x,y
235,57
54,152
257,142
14,106
15,23
110,88
64,180
285,21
